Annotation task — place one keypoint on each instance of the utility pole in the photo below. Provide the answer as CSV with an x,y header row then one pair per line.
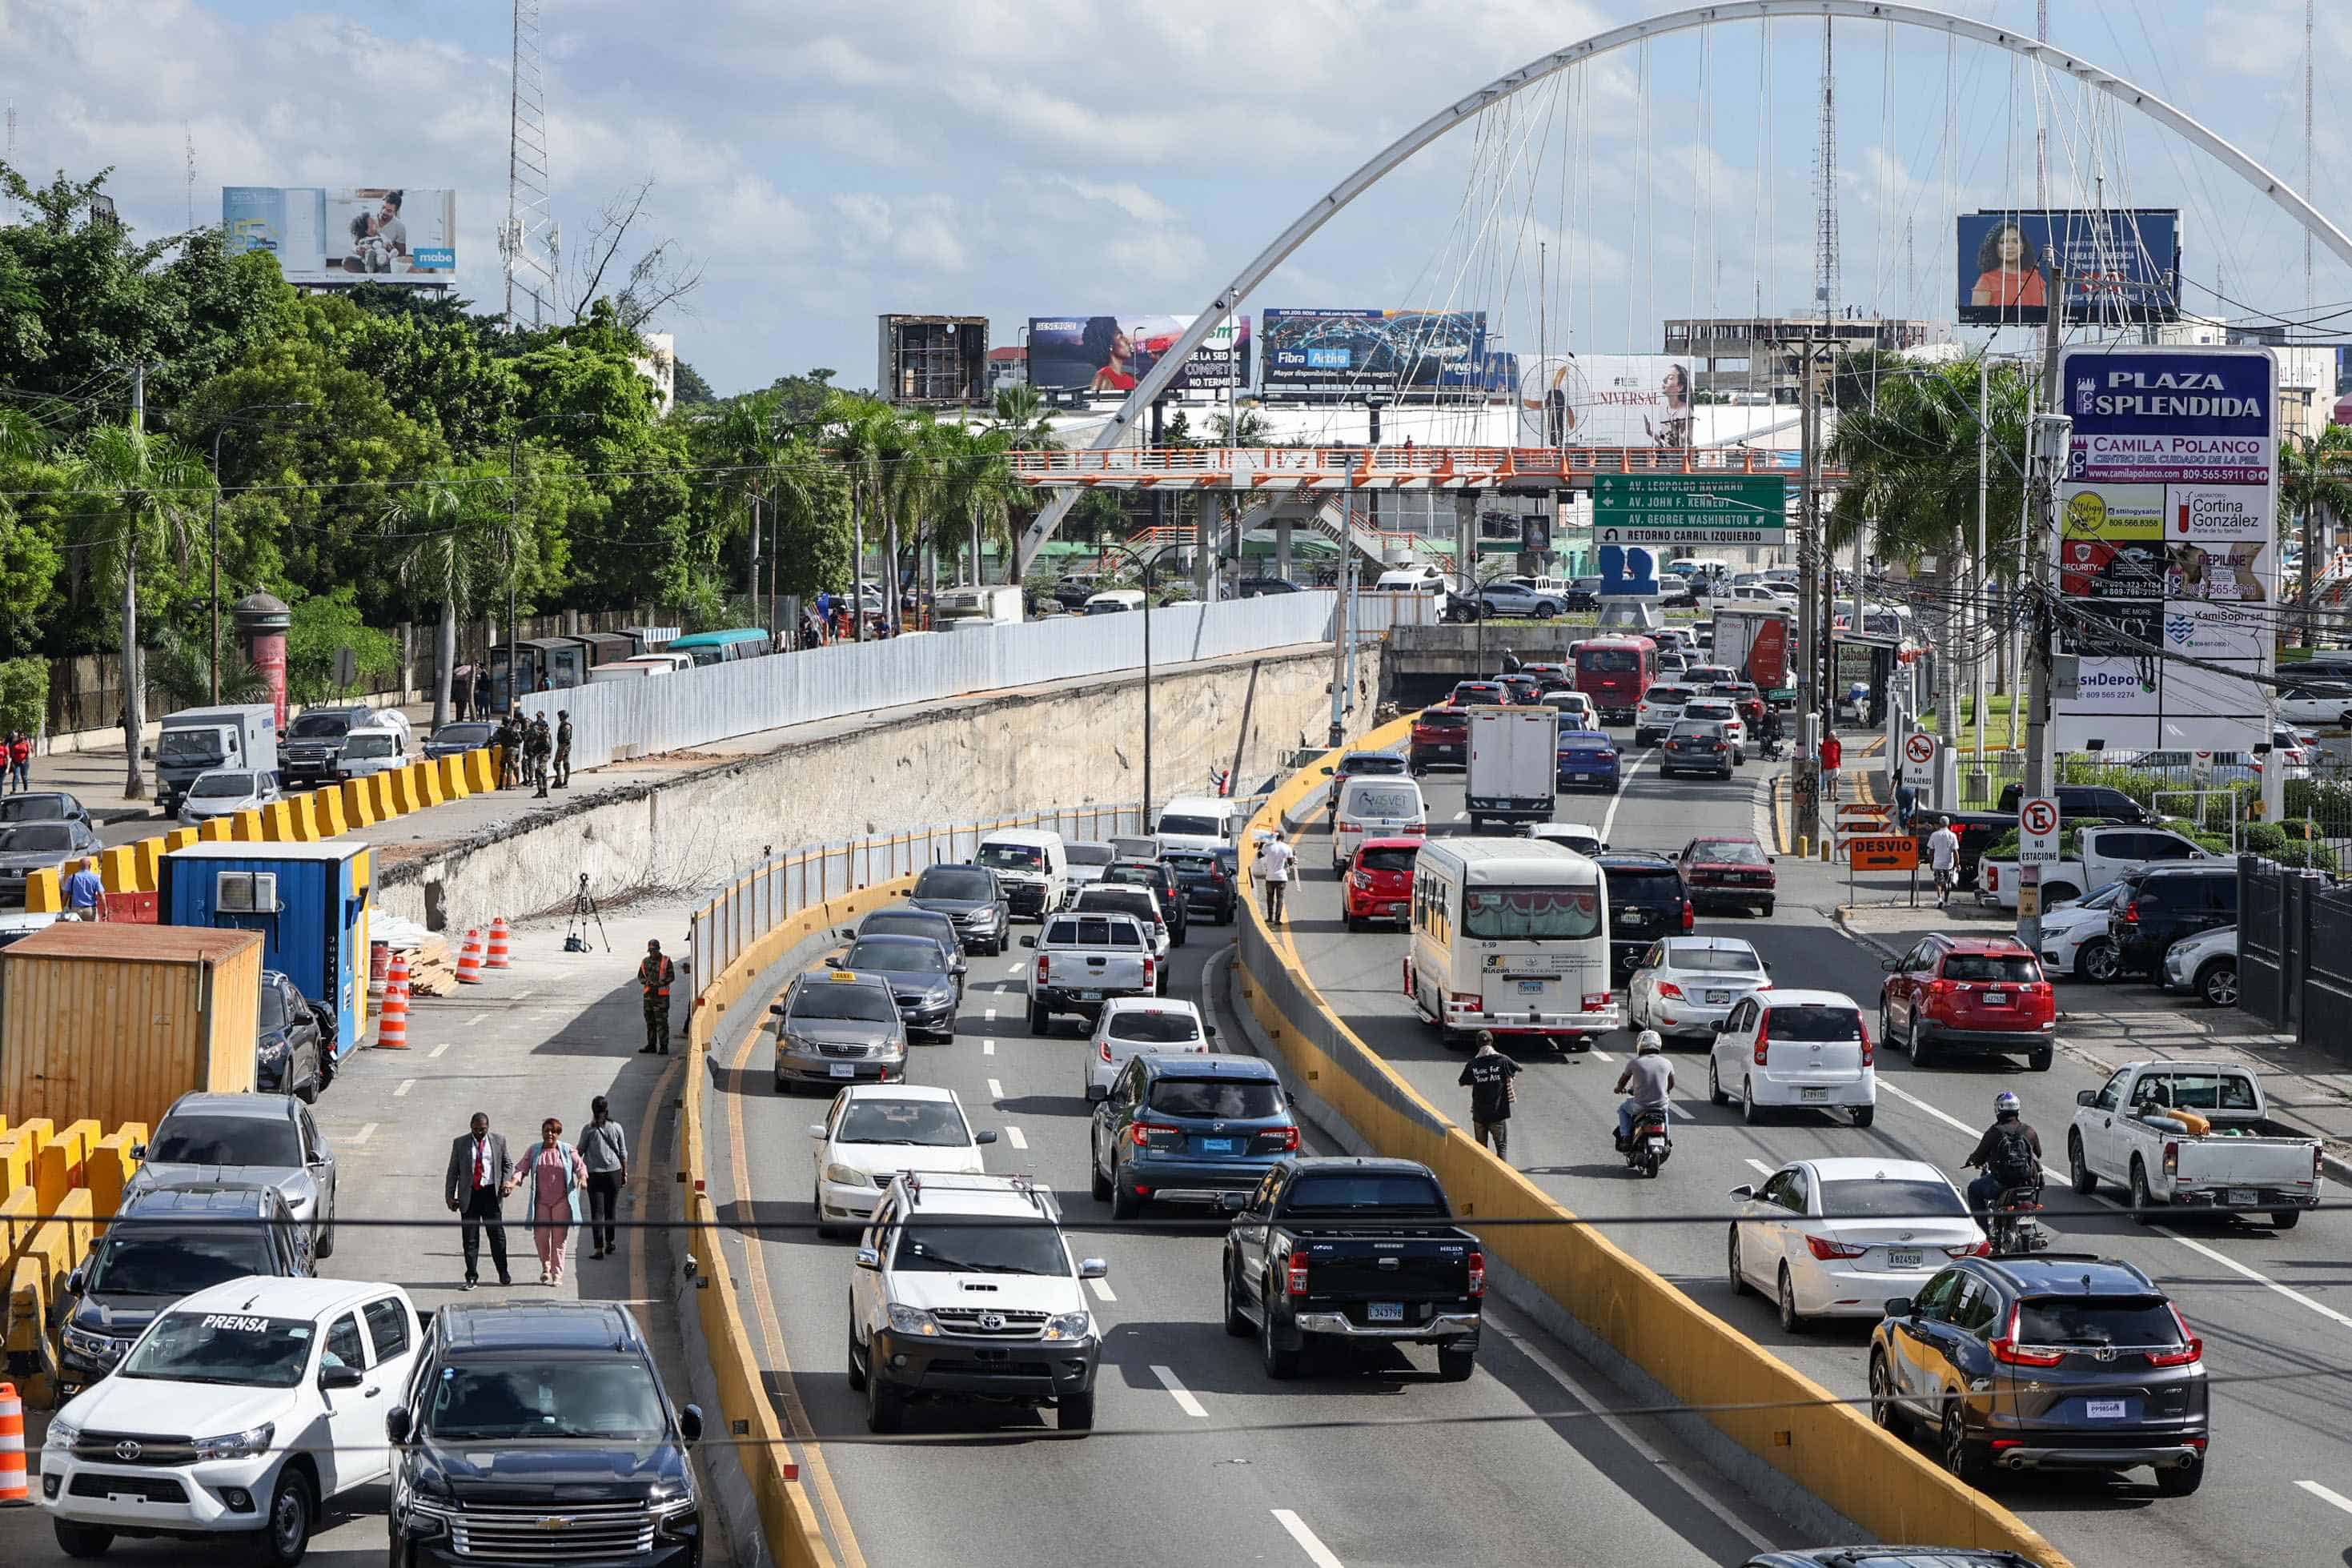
x,y
2052,431
134,674
1811,551
1984,617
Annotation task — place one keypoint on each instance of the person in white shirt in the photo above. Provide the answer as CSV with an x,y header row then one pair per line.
x,y
1944,858
1273,863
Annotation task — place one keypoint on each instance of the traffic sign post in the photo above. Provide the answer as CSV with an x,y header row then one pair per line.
x,y
1698,509
2037,831
1919,750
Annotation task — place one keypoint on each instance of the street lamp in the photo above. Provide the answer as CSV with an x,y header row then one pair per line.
x,y
236,417
1149,571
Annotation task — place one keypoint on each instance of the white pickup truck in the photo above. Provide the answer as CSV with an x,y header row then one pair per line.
x,y
2221,1150
2101,854
1083,960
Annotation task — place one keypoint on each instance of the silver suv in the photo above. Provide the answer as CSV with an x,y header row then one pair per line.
x,y
245,1140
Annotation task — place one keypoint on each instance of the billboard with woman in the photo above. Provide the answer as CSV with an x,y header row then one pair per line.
x,y
1104,356
1606,399
2116,264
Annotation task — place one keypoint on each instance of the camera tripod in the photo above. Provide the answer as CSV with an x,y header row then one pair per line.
x,y
583,910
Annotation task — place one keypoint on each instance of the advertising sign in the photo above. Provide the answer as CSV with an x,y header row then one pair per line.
x,y
1347,353
378,234
2037,831
2167,541
1606,399
2117,265
1699,509
1107,355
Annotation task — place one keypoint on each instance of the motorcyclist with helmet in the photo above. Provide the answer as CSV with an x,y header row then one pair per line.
x,y
2009,1154
1648,1076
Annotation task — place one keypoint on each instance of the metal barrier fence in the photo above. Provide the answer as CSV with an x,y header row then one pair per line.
x,y
2294,953
617,719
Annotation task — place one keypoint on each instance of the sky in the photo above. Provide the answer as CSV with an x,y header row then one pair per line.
x,y
827,161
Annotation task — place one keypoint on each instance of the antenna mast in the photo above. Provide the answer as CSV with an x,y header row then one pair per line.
x,y
188,137
526,242
1825,219
2310,292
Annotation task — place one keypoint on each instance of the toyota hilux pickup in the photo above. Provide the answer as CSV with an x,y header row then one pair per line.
x,y
2077,804
1084,959
1348,1249
2185,1134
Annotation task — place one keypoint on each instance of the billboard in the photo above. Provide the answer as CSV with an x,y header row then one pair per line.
x,y
2166,537
2118,265
1407,354
382,234
1606,399
1107,355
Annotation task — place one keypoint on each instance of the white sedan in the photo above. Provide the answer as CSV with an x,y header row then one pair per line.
x,y
2074,937
1724,712
2326,703
876,1130
1128,1027
1576,710
226,792
1582,837
1688,984
1836,1237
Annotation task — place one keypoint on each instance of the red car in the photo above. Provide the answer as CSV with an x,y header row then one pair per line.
x,y
1441,735
1379,883
1729,870
1979,994
1750,701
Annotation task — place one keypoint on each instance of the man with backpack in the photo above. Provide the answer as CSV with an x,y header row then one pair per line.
x,y
2010,1155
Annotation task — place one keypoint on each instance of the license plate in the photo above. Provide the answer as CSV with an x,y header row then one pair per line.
x,y
1718,999
1090,996
844,1069
1385,1313
1903,1259
1532,988
2104,1409
1217,1145
1581,777
1996,998
2241,1197
1816,1096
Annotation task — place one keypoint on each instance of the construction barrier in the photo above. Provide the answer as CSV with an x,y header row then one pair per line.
x,y
391,1019
118,868
451,771
215,831
15,1489
326,810
245,826
469,960
497,956
58,1188
43,891
481,769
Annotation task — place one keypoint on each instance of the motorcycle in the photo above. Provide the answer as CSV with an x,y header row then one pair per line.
x,y
1651,1144
2010,1227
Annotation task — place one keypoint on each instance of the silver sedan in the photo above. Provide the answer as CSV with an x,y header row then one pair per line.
x,y
1688,984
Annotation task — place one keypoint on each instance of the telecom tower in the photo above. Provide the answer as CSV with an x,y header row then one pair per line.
x,y
1825,218
531,243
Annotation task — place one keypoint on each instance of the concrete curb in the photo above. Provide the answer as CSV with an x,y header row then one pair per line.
x,y
722,1465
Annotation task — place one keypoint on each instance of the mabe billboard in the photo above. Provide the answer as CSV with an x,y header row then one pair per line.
x,y
382,233
1606,399
2116,264
1403,353
1107,355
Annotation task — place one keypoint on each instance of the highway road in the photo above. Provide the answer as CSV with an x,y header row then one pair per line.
x,y
1194,1453
2273,1305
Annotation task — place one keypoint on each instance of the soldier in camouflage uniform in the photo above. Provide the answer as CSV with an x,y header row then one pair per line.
x,y
654,975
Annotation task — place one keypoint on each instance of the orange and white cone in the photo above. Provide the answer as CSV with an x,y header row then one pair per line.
x,y
392,1020
469,960
497,957
13,1490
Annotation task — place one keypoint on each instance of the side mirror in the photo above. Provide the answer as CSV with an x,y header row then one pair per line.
x,y
1093,1268
1892,965
834,962
869,1258
1233,1202
2086,1096
1327,772
77,1283
1028,941
396,1424
1743,1191
1772,860
776,1011
1210,1030
138,1151
1720,1025
1898,1306
332,1377
816,1129
987,1137
690,1422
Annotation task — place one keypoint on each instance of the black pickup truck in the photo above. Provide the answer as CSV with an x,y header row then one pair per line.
x,y
1353,1249
2077,803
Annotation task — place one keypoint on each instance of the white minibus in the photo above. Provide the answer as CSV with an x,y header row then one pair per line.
x,y
1511,936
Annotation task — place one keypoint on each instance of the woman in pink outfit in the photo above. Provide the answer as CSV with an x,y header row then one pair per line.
x,y
556,1176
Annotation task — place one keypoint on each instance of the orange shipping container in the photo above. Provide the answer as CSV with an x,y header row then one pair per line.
x,y
116,1022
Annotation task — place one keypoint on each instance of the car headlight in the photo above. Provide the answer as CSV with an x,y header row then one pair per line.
x,y
842,1176
63,1436
939,996
1070,1325
272,1048
914,1320
800,1045
245,1445
98,1346
671,1499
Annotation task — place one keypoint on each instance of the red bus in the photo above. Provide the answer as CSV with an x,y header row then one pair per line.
x,y
1614,671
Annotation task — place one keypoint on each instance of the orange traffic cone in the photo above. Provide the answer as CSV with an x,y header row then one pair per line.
x,y
14,1492
392,1022
469,960
498,958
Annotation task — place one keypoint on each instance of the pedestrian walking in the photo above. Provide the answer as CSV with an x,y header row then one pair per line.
x,y
475,1186
556,1178
562,749
605,1150
20,761
1833,754
654,975
825,601
85,893
1488,1075
1944,858
536,747
481,691
1273,863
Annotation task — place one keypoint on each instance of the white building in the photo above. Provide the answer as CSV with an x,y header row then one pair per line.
x,y
658,364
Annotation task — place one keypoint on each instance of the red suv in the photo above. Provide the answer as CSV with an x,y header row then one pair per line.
x,y
1441,735
1379,883
1729,870
1980,994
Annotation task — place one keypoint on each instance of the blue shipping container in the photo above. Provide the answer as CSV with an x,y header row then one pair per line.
x,y
312,916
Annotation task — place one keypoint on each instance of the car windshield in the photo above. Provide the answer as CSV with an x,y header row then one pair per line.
x,y
1197,864
1388,857
899,956
461,735
1012,857
1383,800
1729,852
1694,729
222,787
1585,740
1444,718
1400,1195
1099,932
1369,762
1531,913
371,743
1224,1099
228,1348
1894,1199
199,1140
1133,874
2011,968
932,1123
188,745
970,1248
1476,692
1089,854
838,1001
1813,1022
1645,885
176,1260
2097,1320
39,838
1713,960
33,807
1192,827
273,1008
951,882
1148,1027
1667,697
319,727
541,1398
1609,661
1135,901
907,923
1718,712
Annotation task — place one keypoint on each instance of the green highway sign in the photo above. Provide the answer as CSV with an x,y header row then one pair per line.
x,y
1689,509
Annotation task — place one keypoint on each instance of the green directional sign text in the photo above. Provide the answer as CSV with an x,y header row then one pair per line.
x,y
1689,509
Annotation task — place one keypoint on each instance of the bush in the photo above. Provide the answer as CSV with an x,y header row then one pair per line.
x,y
24,695
2263,839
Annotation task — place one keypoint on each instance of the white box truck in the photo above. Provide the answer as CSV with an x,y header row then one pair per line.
x,y
196,739
995,605
1513,772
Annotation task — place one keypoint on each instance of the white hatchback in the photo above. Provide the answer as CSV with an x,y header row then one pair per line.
x,y
1576,710
2074,938
1724,712
1582,837
1836,1237
1128,1027
1795,1050
1688,984
876,1130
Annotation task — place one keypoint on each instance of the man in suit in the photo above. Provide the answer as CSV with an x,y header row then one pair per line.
x,y
478,1168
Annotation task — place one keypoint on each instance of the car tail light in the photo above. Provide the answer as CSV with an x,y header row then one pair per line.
x,y
1468,1000
1287,1136
2316,1157
1295,1282
1690,915
1668,988
1044,968
2172,1156
2007,1349
1982,1250
1992,877
1763,1033
2191,1351
1869,1046
1477,1273
1151,970
1106,1049
2131,913
1824,1249
1144,1130
1595,1000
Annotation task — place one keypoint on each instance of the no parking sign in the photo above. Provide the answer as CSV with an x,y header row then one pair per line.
x,y
2037,831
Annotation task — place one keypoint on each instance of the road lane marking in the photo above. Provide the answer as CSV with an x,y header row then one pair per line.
x,y
1760,1167
438,1050
364,1134
1461,816
1013,1135
406,1085
1317,1553
1182,1394
988,1015
988,1047
2324,1495
1600,1055
1609,821
995,1090
1102,1290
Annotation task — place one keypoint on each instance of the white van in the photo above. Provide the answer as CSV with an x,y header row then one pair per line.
x,y
1199,822
1411,580
1033,867
1112,601
1375,806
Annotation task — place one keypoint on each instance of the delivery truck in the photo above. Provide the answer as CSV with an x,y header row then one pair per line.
x,y
1754,639
1513,771
196,740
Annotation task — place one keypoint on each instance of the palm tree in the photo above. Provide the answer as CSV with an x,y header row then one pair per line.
x,y
2315,480
903,455
440,529
136,495
865,435
977,492
1911,464
750,435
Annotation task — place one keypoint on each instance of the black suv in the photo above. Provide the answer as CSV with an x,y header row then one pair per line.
x,y
294,1041
165,1243
2065,1360
1208,878
2160,905
527,1419
314,744
1647,901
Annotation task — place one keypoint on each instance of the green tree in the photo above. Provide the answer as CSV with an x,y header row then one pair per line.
x,y
811,540
2314,483
440,532
324,625
29,534
976,494
24,695
688,390
1911,463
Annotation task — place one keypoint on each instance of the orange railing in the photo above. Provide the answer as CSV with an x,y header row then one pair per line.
x,y
1400,466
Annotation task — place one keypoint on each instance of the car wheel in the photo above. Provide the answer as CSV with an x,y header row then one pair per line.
x,y
1354,924
2218,982
1237,1323
1455,1365
1545,609
2039,1060
1076,1412
2143,1202
325,1246
82,1540
2079,1173
825,1231
2096,961
1962,1459
2285,1219
308,1092
2180,1481
1124,1204
1740,1286
1863,1115
1749,1112
1765,909
856,1368
1791,1320
1040,1021
1922,1043
1101,1182
1884,1410
1715,1094
886,1406
1278,1362
285,1538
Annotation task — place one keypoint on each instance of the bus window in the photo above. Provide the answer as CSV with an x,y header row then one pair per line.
x,y
1531,913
